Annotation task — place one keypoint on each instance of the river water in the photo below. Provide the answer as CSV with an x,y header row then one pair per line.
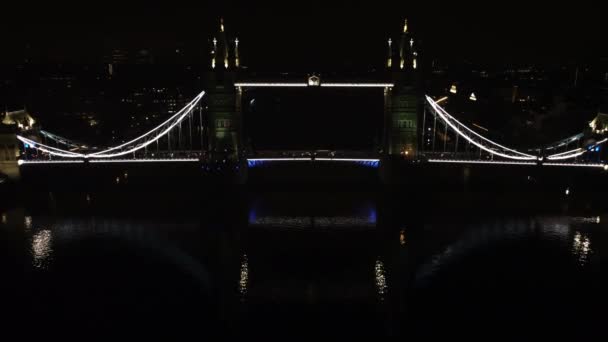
x,y
294,264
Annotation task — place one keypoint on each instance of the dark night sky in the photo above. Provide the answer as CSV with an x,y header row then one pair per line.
x,y
314,33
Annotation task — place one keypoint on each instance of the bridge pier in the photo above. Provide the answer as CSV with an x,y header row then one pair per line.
x,y
9,152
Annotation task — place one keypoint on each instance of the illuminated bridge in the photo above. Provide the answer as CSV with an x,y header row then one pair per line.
x,y
209,129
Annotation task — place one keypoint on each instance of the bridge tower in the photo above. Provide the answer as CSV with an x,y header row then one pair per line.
x,y
402,103
223,99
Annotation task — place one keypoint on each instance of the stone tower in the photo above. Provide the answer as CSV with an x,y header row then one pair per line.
x,y
224,100
402,102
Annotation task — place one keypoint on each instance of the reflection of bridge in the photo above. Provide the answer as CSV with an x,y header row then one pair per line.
x,y
209,130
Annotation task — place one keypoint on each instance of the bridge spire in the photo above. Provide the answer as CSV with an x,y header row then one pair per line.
x,y
406,49
222,49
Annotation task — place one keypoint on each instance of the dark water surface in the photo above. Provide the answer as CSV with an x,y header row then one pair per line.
x,y
295,264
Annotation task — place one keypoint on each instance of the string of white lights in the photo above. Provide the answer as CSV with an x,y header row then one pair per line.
x,y
186,109
558,156
49,149
575,153
437,107
270,85
60,140
176,160
42,162
485,162
438,111
174,120
143,145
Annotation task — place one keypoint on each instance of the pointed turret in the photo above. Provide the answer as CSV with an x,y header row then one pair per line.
x,y
220,52
407,54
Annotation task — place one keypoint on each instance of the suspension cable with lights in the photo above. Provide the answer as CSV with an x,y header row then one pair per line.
x,y
465,132
126,148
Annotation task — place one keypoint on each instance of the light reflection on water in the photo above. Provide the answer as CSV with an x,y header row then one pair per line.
x,y
42,249
380,279
244,276
313,221
342,263
581,248
27,222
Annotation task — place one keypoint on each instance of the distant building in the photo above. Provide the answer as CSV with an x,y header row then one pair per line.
x,y
21,119
9,145
599,125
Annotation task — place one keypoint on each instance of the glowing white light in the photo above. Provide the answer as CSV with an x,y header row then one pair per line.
x,y
49,149
574,153
575,165
278,159
186,111
567,191
485,162
473,97
42,248
356,160
439,101
20,162
270,85
498,162
244,275
453,89
447,115
177,160
380,277
42,162
439,110
314,81
358,85
180,115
